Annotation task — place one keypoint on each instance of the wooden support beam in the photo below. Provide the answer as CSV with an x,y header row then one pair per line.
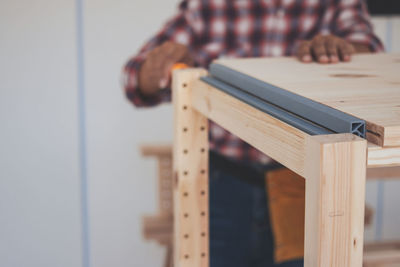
x,y
383,173
280,141
163,154
158,228
335,198
156,150
165,198
383,156
382,254
191,229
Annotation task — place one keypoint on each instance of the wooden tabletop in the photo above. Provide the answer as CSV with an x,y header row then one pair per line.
x,y
368,87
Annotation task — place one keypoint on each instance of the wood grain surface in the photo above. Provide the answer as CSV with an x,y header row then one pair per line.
x,y
190,164
368,87
335,199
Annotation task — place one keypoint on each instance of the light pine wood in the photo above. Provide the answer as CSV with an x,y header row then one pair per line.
x,y
389,258
385,245
383,156
163,153
368,87
165,197
271,136
385,254
334,167
191,235
383,173
335,199
160,227
280,141
387,156
156,150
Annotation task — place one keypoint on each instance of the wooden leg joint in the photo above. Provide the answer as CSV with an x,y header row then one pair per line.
x,y
335,198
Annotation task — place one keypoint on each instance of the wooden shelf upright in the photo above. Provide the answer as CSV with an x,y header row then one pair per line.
x,y
333,165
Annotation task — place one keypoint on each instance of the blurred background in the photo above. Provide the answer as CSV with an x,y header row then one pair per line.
x,y
73,185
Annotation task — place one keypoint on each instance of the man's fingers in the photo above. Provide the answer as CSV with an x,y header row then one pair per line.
x,y
319,51
304,52
345,51
325,49
331,48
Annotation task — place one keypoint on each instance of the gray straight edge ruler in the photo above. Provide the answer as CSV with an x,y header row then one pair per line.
x,y
303,113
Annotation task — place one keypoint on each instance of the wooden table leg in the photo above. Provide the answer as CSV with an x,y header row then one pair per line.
x,y
335,199
190,174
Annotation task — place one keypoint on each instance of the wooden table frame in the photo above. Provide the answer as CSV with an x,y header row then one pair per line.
x,y
334,167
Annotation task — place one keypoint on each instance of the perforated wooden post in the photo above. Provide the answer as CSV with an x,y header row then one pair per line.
x,y
335,173
190,174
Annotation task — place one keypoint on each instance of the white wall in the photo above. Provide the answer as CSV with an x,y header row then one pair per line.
x,y
121,184
40,201
39,184
40,205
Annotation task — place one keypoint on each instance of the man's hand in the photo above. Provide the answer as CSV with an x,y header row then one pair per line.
x,y
154,73
325,49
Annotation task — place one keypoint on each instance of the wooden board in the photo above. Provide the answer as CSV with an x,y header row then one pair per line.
x,y
368,87
190,164
278,140
156,150
385,173
382,255
271,136
383,156
335,199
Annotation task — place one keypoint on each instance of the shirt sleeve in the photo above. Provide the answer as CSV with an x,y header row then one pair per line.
x,y
352,22
177,30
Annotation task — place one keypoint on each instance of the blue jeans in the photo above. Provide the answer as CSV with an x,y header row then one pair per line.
x,y
240,234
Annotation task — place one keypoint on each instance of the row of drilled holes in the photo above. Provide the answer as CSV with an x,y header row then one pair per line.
x,y
203,255
185,129
202,150
203,171
186,194
203,234
186,215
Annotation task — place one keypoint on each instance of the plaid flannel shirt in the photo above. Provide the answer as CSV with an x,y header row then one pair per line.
x,y
249,28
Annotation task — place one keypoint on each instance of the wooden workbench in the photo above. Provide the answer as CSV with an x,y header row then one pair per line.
x,y
334,165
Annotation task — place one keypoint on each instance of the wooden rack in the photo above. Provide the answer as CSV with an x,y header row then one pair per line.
x,y
159,227
334,166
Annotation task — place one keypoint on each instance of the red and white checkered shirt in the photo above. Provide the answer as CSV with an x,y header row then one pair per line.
x,y
249,28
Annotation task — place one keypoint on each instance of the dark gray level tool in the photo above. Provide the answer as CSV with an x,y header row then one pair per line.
x,y
307,112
